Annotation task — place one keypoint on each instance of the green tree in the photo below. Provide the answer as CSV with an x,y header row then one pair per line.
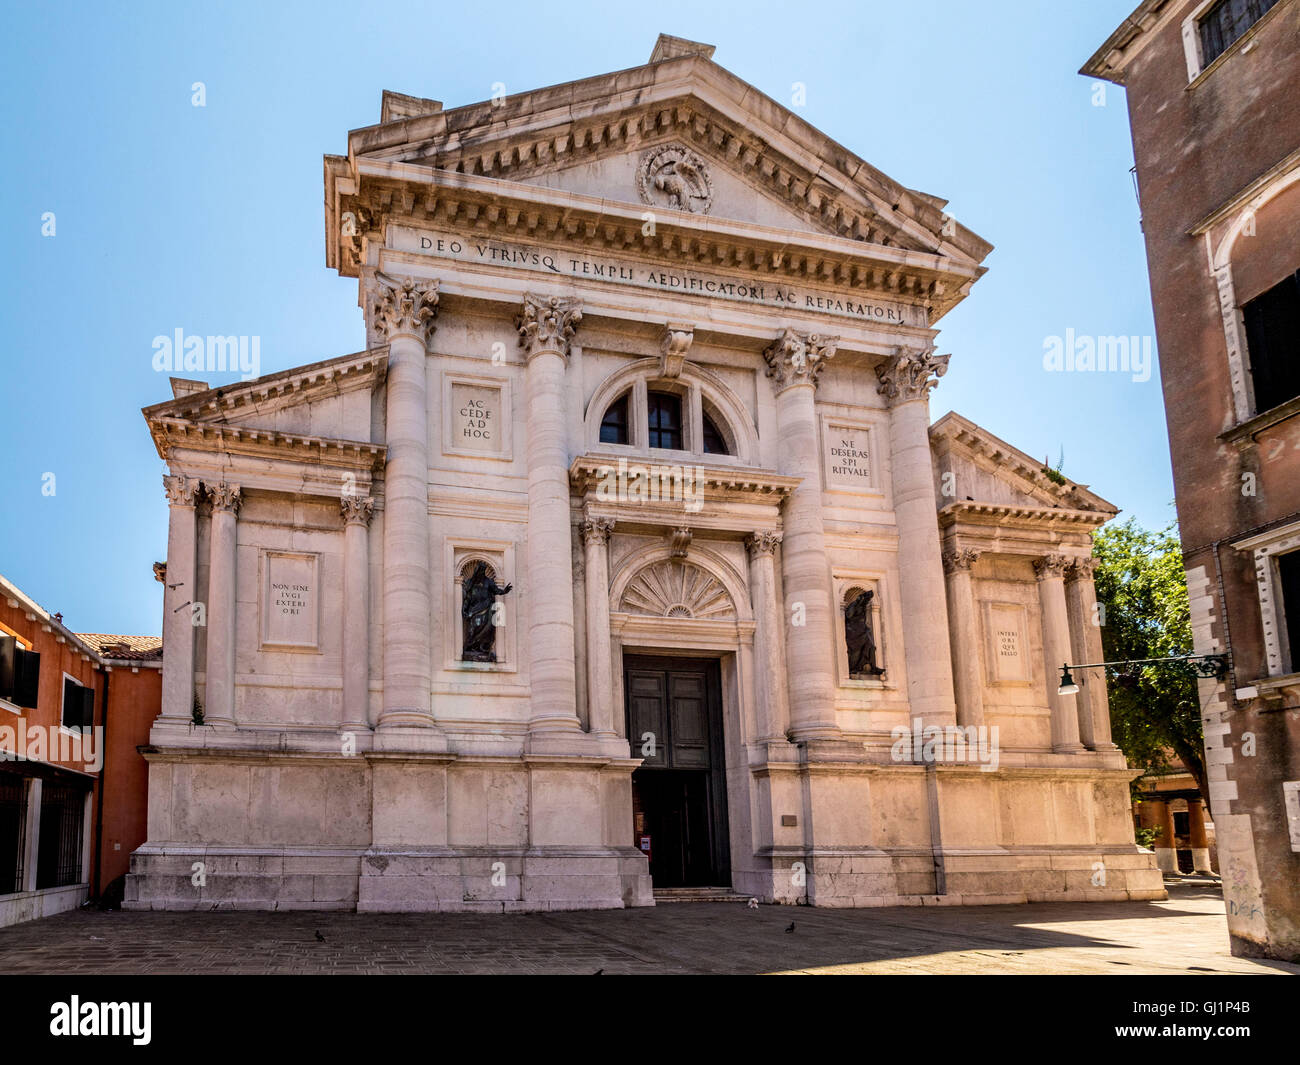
x,y
1153,709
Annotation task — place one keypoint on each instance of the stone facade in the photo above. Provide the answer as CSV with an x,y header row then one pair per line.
x,y
1217,144
652,358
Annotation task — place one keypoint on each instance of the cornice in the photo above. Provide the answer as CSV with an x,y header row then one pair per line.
x,y
478,207
170,433
726,483
1012,516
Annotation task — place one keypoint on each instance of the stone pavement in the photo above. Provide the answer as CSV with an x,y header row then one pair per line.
x,y
1186,934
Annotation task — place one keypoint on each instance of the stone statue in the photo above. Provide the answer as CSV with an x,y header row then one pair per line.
x,y
859,637
479,592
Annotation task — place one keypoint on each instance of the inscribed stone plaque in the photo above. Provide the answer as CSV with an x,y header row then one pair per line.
x,y
1008,659
290,600
475,418
848,457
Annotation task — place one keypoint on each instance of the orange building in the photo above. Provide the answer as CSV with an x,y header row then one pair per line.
x,y
132,667
73,710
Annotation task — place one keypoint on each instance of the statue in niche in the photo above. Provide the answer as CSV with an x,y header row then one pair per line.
x,y
860,638
479,593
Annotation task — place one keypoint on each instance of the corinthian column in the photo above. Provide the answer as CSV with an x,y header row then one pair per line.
x,y
905,382
1092,703
403,313
794,362
220,710
967,682
178,601
357,512
600,677
1050,570
546,325
769,647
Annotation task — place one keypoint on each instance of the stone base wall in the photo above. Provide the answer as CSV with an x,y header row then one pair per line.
x,y
252,829
30,905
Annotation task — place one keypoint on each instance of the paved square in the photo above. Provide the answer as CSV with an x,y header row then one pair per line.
x,y
1186,934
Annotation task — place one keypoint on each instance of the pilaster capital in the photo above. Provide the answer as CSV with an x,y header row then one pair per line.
x,y
595,531
181,491
674,345
909,374
357,510
762,543
405,305
547,323
225,496
1051,567
960,560
1081,569
798,358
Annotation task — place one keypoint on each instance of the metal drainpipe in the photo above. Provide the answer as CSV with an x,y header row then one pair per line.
x,y
99,812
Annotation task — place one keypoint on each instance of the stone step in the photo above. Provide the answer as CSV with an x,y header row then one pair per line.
x,y
698,894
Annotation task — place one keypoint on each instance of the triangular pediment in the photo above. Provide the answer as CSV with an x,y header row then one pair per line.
x,y
327,400
986,470
679,134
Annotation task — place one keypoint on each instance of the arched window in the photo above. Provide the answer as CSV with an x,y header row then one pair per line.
x,y
714,442
664,420
614,425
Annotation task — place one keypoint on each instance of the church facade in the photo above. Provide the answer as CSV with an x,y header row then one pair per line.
x,y
625,558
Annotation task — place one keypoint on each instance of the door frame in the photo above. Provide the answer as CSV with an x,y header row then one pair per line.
x,y
711,667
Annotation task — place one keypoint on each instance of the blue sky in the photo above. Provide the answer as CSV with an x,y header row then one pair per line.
x,y
210,219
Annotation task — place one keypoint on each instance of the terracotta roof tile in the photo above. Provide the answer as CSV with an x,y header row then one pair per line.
x,y
123,647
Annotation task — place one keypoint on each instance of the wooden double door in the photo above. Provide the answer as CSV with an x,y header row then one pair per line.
x,y
679,792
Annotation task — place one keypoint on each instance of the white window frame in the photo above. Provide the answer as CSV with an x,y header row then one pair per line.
x,y
1265,548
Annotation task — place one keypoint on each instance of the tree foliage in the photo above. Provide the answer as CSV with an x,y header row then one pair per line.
x,y
1154,710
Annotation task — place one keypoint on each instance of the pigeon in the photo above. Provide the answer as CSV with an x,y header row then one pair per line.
x,y
599,972
753,904
319,938
790,929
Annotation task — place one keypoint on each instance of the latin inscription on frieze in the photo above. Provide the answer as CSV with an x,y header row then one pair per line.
x,y
559,262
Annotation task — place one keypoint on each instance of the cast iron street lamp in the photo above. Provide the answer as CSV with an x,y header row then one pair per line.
x,y
1202,665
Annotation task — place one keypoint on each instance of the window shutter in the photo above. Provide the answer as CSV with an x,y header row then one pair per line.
x,y
88,708
27,677
72,704
8,645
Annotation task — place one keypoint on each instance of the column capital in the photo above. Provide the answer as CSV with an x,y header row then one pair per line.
x,y
404,305
762,543
909,374
1051,567
547,323
225,496
357,510
596,531
963,559
1081,569
798,358
181,491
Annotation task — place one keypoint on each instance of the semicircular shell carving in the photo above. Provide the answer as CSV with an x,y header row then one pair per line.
x,y
677,590
675,177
